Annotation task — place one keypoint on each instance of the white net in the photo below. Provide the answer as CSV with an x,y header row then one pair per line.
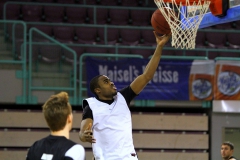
x,y
184,19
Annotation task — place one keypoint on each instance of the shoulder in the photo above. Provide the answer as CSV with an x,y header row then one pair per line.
x,y
76,152
128,94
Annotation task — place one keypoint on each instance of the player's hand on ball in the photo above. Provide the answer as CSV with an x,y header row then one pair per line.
x,y
88,135
162,39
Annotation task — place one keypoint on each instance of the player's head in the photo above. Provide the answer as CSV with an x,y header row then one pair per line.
x,y
103,87
227,150
58,112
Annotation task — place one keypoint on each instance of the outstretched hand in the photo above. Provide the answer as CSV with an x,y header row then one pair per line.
x,y
88,135
162,40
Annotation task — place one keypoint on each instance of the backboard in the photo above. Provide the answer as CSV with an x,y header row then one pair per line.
x,y
233,14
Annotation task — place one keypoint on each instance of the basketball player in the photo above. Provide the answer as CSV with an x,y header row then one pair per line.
x,y
106,121
57,146
227,151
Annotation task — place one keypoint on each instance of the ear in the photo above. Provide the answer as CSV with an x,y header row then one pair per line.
x,y
70,118
97,90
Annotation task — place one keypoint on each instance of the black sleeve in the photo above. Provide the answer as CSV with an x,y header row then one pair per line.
x,y
67,158
128,94
87,112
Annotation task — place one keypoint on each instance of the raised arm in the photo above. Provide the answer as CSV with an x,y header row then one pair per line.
x,y
142,80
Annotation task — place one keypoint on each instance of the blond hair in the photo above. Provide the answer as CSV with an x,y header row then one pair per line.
x,y
56,110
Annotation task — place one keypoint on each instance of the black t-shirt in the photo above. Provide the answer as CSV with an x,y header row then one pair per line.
x,y
232,157
127,93
56,146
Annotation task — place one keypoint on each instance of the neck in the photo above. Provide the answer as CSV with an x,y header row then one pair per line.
x,y
64,132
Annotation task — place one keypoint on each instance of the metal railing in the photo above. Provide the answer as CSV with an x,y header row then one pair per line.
x,y
31,87
23,73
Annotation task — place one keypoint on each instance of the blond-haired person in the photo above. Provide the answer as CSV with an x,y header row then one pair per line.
x,y
57,146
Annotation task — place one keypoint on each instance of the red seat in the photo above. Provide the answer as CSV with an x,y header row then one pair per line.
x,y
200,39
119,16
216,39
69,56
54,13
1,7
148,37
112,35
76,14
107,2
64,34
101,15
132,3
32,13
86,35
140,17
13,11
129,36
146,53
233,40
96,50
50,53
47,29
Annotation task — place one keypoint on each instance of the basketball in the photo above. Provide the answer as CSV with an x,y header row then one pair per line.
x,y
159,23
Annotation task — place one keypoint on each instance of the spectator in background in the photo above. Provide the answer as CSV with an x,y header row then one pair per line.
x,y
57,146
227,151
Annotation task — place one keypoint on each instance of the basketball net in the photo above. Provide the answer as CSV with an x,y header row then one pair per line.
x,y
184,29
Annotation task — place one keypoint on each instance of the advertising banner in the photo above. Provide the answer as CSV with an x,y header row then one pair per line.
x,y
227,80
173,79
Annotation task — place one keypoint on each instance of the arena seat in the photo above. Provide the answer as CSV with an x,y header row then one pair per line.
x,y
119,16
69,56
13,11
64,34
216,39
76,14
148,37
86,35
140,17
32,13
233,43
130,36
54,13
101,15
50,53
112,35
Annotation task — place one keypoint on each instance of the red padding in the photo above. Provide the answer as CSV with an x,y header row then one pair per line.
x,y
219,7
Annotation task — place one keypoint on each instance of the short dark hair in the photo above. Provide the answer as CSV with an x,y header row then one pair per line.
x,y
230,144
94,84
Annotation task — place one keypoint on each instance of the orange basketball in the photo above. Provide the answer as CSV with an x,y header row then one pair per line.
x,y
159,23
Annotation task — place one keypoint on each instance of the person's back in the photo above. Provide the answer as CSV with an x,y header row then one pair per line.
x,y
57,146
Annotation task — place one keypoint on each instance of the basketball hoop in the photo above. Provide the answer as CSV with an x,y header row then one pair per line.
x,y
184,18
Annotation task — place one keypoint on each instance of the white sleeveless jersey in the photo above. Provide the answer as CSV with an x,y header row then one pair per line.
x,y
112,129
